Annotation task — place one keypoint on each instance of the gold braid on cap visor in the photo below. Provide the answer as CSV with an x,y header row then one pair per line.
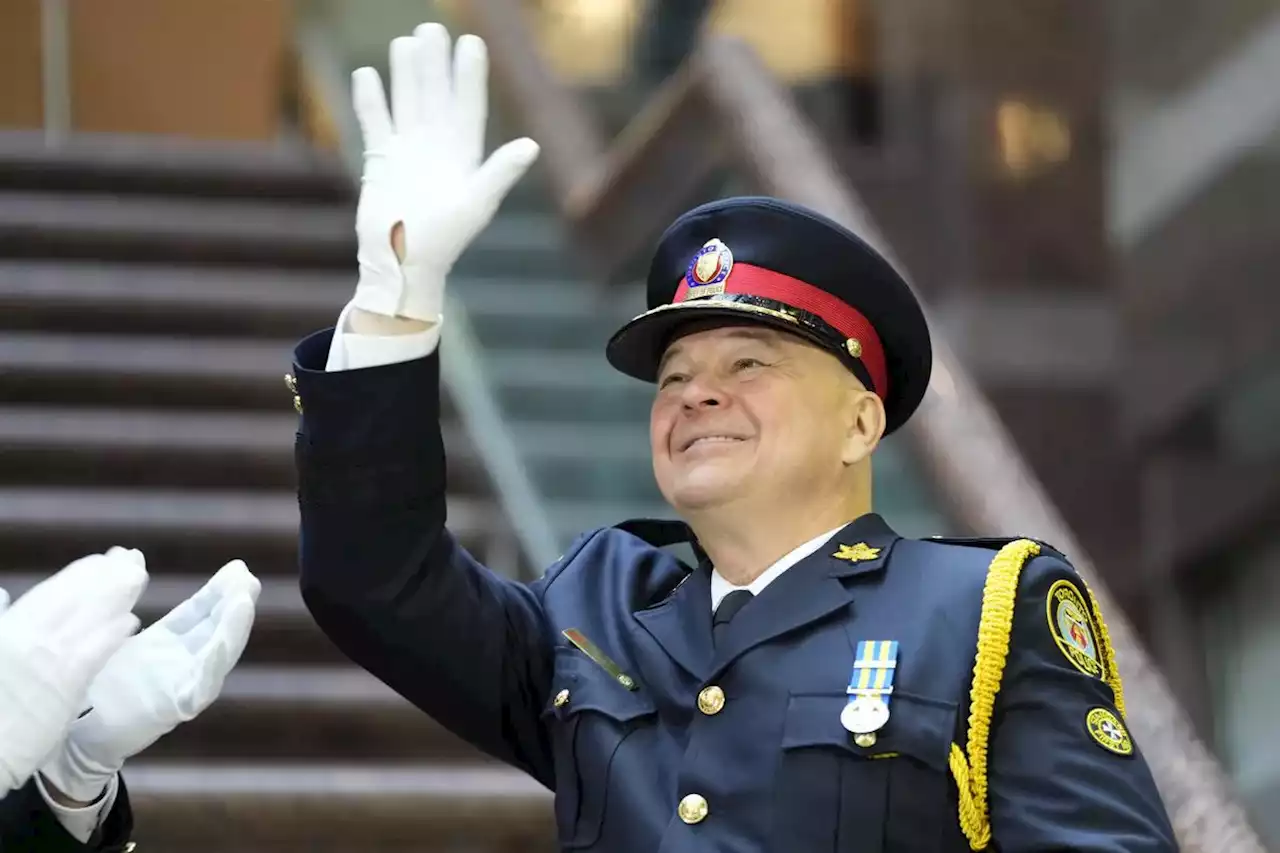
x,y
807,323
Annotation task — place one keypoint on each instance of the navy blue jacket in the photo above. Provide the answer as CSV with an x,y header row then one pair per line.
x,y
767,768
28,826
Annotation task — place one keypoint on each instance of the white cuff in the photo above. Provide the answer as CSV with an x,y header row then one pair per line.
x,y
349,351
82,823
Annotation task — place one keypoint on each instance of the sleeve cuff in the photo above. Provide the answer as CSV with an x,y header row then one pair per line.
x,y
350,351
81,823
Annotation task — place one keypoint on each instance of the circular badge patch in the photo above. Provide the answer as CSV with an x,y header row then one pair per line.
x,y
1072,627
1107,730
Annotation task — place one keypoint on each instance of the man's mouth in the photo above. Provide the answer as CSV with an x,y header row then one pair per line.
x,y
704,440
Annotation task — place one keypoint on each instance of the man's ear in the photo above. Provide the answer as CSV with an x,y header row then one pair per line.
x,y
866,423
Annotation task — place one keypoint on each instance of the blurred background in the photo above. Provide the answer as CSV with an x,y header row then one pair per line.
x,y
1086,194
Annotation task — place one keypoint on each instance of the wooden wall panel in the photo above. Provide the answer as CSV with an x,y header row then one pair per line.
x,y
21,102
201,68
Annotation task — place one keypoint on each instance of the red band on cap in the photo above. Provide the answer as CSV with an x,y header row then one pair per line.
x,y
749,280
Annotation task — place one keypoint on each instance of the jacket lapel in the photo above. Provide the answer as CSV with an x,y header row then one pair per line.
x,y
813,588
681,623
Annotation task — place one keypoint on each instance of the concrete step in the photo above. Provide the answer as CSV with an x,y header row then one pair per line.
x,y
536,386
159,228
44,526
83,296
118,298
329,807
548,316
559,372
129,164
133,370
539,299
283,633
299,713
65,445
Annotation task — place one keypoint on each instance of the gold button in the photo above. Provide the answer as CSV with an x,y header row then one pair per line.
x,y
693,808
626,681
562,698
130,847
711,700
297,404
291,383
865,740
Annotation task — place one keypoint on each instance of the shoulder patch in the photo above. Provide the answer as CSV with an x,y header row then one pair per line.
x,y
1072,626
1107,731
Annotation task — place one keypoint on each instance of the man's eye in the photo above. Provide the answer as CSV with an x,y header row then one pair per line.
x,y
747,363
671,378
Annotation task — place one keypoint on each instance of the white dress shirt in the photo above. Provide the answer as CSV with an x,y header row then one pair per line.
x,y
82,823
349,351
721,587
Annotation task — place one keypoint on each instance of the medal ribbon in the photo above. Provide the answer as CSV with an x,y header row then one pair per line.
x,y
873,670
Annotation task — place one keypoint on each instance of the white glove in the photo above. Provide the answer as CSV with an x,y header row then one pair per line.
x,y
424,170
53,641
164,676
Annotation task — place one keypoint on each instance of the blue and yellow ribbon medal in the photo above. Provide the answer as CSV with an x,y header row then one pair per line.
x,y
869,690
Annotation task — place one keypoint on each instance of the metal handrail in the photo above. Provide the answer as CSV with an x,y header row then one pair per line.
x,y
462,370
973,463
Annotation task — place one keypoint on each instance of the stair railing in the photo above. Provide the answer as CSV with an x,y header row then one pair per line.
x,y
724,108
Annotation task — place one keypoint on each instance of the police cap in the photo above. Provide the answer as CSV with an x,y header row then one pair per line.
x,y
767,261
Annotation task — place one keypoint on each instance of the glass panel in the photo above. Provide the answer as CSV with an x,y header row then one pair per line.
x,y
1243,654
1249,419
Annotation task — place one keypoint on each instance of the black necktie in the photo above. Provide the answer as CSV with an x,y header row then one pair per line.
x,y
729,607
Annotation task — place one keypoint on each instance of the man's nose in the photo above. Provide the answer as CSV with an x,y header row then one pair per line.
x,y
702,393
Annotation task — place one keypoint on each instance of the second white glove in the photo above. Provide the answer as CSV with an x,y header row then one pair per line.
x,y
423,170
53,642
164,676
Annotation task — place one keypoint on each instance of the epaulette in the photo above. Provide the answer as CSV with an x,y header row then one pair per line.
x,y
995,543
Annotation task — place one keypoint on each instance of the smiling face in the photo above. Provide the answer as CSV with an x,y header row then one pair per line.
x,y
749,415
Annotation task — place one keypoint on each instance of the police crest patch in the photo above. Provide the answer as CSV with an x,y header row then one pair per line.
x,y
1108,732
1071,623
708,270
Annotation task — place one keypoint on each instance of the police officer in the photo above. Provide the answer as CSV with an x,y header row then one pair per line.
x,y
817,682
80,693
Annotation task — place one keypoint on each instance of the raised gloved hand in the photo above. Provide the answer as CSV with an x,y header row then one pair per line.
x,y
164,676
53,641
423,170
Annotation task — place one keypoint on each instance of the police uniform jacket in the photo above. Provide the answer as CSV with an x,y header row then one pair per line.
x,y
602,681
28,826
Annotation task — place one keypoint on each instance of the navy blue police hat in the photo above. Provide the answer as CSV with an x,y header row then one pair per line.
x,y
767,261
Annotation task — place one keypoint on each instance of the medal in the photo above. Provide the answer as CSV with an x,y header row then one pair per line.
x,y
870,687
864,715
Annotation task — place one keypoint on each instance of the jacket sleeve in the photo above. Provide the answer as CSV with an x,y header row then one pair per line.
x,y
1064,772
383,577
28,826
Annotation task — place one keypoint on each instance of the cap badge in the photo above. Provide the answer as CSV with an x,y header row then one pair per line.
x,y
708,270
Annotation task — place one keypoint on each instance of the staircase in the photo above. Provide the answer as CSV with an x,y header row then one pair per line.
x,y
150,297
